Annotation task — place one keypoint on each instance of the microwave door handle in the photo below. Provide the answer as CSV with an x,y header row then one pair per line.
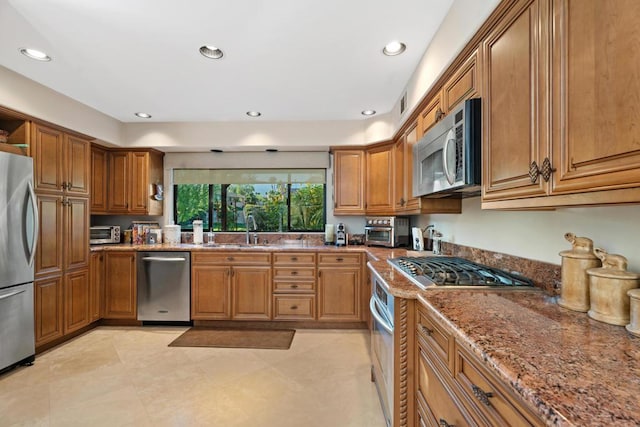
x,y
451,137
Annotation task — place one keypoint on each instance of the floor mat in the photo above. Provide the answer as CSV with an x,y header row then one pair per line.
x,y
235,338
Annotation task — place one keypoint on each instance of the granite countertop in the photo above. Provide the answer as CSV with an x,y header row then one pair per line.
x,y
221,247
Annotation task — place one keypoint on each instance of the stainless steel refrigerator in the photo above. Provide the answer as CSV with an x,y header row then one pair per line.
x,y
18,238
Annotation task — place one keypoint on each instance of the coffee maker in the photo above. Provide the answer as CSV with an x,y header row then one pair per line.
x,y
341,235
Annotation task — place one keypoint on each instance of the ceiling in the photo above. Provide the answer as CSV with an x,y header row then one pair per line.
x,y
289,59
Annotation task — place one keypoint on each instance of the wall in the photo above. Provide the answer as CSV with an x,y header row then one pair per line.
x,y
539,235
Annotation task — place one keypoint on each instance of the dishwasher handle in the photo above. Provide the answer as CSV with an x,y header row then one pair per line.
x,y
161,259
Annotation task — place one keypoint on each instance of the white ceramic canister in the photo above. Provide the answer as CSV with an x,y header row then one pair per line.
x,y
198,236
634,322
172,234
608,287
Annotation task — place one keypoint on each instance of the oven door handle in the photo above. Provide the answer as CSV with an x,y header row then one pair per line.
x,y
378,228
378,316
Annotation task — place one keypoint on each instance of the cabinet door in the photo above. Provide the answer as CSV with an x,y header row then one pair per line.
x,y
96,286
48,153
48,309
119,172
49,250
251,293
349,182
99,167
380,180
515,104
76,242
76,300
436,397
139,183
431,114
464,84
78,162
339,294
410,139
120,285
399,194
210,292
595,87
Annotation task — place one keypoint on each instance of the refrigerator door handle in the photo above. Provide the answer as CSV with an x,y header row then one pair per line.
x,y
12,294
36,230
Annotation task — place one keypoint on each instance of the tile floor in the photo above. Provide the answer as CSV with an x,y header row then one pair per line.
x,y
116,376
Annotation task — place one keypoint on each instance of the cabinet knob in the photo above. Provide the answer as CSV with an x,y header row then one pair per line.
x,y
294,286
294,273
426,330
229,258
294,307
443,423
481,395
294,258
545,171
339,259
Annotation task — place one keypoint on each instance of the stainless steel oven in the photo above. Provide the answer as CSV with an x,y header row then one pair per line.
x,y
381,306
388,231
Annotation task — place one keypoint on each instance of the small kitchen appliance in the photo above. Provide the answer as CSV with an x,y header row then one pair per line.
x,y
388,231
418,239
341,235
104,234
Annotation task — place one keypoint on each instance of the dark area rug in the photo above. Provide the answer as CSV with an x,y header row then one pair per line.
x,y
279,339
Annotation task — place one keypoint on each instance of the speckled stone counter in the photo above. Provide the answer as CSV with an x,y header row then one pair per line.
x,y
573,370
221,247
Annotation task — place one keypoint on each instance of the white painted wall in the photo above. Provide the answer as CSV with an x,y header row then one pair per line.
x,y
26,96
539,235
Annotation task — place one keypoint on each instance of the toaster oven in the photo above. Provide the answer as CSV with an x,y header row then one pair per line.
x,y
103,234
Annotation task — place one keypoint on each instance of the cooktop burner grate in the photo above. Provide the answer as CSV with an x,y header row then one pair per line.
x,y
456,272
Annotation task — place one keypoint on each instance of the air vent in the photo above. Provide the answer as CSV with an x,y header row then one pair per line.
x,y
403,103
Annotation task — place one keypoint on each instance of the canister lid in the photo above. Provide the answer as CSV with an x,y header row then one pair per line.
x,y
581,247
613,266
634,293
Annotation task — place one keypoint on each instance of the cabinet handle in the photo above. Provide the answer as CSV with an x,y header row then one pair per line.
x,y
402,201
294,273
294,307
426,330
339,259
294,258
482,396
546,170
319,273
294,286
229,258
443,423
233,273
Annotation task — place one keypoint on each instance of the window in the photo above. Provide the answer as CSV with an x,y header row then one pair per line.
x,y
279,200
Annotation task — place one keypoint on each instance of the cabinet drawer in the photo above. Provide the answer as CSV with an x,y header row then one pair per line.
x,y
294,258
294,307
493,400
294,273
440,341
231,258
338,258
289,286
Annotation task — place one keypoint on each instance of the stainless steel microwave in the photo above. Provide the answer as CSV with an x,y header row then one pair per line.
x,y
447,158
102,234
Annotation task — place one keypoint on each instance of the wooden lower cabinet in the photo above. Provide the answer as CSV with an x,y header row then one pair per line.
x,y
210,292
339,293
76,300
120,285
251,293
49,309
96,286
294,307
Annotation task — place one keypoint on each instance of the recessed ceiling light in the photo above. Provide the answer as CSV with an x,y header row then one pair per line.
x,y
216,150
35,54
254,113
211,52
368,112
394,48
143,115
271,150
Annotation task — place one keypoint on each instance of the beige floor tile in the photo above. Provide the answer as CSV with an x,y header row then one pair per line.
x,y
126,376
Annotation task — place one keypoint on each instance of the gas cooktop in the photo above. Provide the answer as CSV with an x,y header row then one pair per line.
x,y
452,272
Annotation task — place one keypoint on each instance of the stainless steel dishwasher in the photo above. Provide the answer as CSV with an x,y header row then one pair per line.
x,y
164,286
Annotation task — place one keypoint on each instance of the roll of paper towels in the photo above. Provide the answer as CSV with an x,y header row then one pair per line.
x,y
328,233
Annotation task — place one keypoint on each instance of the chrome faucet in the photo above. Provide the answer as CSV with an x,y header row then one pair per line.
x,y
249,219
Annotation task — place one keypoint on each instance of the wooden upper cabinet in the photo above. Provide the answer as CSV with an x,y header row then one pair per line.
x,y
133,178
99,170
349,182
515,102
404,202
399,175
595,92
62,161
431,114
463,85
48,153
379,182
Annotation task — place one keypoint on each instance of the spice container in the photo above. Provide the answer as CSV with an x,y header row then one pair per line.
x,y
172,234
575,281
608,287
